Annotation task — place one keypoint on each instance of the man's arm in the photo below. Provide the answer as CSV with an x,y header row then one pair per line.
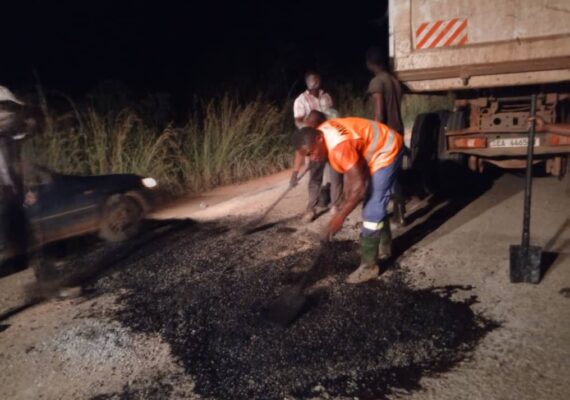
x,y
354,190
355,187
378,107
299,112
298,162
561,129
542,126
380,88
328,101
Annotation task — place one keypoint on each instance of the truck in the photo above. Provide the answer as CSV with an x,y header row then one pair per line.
x,y
491,56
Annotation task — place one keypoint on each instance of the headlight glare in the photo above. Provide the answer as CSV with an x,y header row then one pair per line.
x,y
149,182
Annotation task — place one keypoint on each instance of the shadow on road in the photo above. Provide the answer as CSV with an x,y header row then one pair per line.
x,y
441,207
553,255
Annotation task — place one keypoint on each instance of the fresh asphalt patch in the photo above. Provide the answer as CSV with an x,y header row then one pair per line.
x,y
204,291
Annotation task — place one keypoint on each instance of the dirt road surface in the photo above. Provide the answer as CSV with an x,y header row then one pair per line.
x,y
179,312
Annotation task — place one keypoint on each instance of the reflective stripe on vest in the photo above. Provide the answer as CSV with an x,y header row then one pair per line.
x,y
387,145
372,147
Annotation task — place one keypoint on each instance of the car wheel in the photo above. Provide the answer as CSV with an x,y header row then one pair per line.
x,y
121,218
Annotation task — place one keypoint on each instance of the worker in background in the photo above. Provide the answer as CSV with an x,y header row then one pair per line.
x,y
385,93
314,99
17,121
368,153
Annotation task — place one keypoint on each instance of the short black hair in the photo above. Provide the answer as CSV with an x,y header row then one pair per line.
x,y
304,137
315,116
375,56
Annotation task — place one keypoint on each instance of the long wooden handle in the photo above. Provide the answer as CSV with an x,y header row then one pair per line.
x,y
272,206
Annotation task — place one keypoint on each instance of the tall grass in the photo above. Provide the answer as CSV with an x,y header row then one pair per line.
x,y
234,141
223,141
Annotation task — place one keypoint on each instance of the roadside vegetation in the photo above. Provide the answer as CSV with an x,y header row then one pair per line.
x,y
223,140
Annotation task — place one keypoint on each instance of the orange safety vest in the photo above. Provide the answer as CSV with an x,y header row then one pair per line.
x,y
377,143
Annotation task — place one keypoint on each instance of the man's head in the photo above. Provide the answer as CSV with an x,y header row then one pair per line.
x,y
314,119
313,82
375,61
311,143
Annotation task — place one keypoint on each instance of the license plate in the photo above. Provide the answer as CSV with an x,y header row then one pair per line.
x,y
512,142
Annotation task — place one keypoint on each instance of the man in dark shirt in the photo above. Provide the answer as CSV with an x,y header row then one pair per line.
x,y
385,93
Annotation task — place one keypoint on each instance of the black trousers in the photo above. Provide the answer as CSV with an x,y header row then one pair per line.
x,y
316,172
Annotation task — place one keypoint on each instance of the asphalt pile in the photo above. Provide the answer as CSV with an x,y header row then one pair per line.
x,y
205,291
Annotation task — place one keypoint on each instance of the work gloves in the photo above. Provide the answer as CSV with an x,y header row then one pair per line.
x,y
294,181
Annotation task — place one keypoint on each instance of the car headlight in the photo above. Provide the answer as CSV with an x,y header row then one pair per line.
x,y
149,182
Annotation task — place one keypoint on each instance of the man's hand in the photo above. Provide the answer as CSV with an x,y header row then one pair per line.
x,y
334,225
540,124
294,181
30,199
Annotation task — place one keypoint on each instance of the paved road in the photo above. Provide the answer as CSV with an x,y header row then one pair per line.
x,y
69,349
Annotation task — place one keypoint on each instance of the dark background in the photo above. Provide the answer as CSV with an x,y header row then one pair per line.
x,y
187,48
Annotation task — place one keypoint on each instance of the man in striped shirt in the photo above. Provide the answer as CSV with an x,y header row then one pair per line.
x,y
314,99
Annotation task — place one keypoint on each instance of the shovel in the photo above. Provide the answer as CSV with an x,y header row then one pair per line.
x,y
290,304
252,226
526,259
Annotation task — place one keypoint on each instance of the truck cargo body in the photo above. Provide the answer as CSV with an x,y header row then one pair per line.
x,y
492,55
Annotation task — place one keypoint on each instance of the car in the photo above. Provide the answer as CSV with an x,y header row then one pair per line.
x,y
61,206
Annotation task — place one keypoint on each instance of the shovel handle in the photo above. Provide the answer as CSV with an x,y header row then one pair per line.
x,y
281,196
528,180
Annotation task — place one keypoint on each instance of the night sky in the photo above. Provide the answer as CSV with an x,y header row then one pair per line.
x,y
186,47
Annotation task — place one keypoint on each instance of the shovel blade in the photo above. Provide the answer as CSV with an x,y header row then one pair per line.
x,y
525,264
287,307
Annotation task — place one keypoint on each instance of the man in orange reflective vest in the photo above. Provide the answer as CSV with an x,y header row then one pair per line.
x,y
369,154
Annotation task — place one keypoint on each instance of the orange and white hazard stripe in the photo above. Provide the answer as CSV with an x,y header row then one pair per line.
x,y
441,33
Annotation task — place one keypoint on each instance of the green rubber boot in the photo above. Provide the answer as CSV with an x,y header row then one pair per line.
x,y
385,240
368,261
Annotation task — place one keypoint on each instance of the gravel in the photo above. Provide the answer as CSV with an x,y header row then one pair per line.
x,y
204,290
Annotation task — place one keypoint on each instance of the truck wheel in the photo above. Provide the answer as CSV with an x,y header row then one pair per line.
x,y
423,149
121,218
450,121
451,167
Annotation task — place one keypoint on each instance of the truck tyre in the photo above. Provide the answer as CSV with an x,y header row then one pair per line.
x,y
451,167
450,121
423,149
121,218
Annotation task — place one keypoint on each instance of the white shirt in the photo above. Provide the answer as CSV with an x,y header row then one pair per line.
x,y
306,102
